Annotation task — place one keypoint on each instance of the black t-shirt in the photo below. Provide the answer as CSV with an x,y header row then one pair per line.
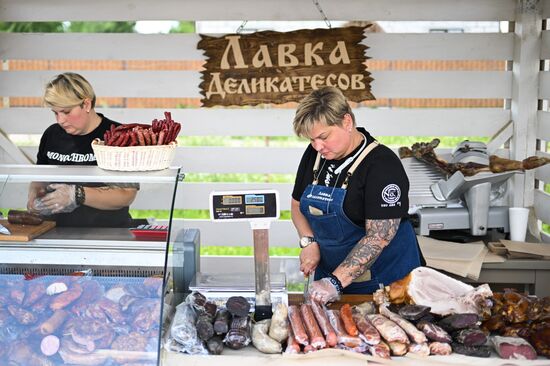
x,y
379,188
60,148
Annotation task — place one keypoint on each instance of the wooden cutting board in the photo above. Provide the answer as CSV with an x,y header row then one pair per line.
x,y
25,232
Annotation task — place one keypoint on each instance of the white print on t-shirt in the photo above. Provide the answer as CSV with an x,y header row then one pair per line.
x,y
391,194
329,175
74,157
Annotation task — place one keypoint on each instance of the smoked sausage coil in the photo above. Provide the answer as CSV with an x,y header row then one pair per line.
x,y
409,328
324,323
297,325
343,337
367,331
390,331
347,319
316,338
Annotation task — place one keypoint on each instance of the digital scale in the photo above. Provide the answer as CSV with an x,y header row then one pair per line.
x,y
259,208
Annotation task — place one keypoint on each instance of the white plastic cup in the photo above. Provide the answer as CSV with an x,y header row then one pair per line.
x,y
518,217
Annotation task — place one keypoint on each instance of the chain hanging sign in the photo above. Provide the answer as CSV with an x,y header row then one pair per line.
x,y
275,67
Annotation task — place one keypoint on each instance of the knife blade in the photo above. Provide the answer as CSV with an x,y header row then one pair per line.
x,y
4,230
307,280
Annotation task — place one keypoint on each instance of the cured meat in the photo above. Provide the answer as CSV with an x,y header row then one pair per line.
x,y
261,340
347,318
23,218
470,337
476,351
381,350
434,332
440,348
215,345
459,321
324,324
238,306
443,294
398,348
313,331
414,312
278,330
297,325
292,347
419,349
513,347
239,333
49,326
205,329
367,331
22,316
390,331
222,321
415,335
343,337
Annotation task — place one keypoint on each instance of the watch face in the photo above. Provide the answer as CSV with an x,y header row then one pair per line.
x,y
305,241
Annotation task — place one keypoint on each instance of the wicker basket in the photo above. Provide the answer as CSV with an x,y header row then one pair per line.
x,y
134,158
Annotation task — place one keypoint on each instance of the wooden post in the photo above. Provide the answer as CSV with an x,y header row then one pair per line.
x,y
525,82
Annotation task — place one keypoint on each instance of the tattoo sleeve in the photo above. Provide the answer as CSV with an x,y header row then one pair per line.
x,y
378,234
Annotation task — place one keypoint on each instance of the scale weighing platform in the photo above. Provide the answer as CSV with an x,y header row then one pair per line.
x,y
259,208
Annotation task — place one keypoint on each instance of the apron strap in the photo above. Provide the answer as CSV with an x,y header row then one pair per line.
x,y
358,161
316,169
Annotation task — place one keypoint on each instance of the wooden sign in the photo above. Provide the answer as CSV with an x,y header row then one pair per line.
x,y
275,67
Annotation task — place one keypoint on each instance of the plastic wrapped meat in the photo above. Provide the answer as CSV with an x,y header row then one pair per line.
x,y
513,347
239,333
278,329
183,326
261,340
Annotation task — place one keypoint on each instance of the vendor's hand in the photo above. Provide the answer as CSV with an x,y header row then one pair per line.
x,y
309,258
323,291
36,190
61,200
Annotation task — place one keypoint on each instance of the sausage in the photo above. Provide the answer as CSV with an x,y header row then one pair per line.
x,y
419,349
409,328
215,345
238,335
23,218
347,319
381,350
292,347
147,137
278,330
126,139
49,345
140,137
398,348
440,348
66,298
35,291
160,140
114,136
205,329
316,338
222,321
154,138
367,331
119,139
297,325
343,337
133,138
390,331
309,348
238,306
50,325
261,340
324,323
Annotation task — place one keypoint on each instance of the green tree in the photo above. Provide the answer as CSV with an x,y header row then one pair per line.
x,y
28,27
102,27
183,27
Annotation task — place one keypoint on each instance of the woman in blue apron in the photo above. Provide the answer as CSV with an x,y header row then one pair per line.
x,y
350,203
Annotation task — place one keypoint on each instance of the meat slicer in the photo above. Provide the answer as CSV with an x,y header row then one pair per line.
x,y
473,204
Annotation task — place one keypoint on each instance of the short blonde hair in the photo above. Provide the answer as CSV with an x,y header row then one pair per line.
x,y
326,105
68,90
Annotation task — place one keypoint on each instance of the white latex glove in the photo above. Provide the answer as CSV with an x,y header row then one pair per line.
x,y
61,200
323,291
36,190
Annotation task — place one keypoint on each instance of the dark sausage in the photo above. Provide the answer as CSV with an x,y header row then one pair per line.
x,y
23,218
140,137
147,137
316,338
343,337
154,138
160,140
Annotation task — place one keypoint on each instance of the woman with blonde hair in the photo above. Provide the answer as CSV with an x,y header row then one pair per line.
x,y
68,142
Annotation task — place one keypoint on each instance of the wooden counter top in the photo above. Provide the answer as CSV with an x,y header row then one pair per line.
x,y
296,298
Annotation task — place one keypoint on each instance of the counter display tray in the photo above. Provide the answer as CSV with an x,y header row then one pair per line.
x,y
93,319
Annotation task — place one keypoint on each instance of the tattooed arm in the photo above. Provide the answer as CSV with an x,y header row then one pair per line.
x,y
110,197
366,251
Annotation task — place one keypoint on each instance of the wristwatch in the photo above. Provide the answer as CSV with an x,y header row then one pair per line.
x,y
306,240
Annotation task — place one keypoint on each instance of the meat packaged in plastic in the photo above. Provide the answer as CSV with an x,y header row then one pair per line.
x,y
470,337
390,331
261,340
476,351
414,312
440,348
238,335
183,328
278,330
513,347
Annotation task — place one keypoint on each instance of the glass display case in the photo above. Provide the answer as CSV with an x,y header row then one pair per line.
x,y
85,289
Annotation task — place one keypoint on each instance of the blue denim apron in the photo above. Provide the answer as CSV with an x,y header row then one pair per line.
x,y
337,235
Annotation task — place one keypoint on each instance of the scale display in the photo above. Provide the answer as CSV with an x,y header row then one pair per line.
x,y
244,205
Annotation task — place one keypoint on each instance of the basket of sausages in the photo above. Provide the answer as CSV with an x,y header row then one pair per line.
x,y
138,147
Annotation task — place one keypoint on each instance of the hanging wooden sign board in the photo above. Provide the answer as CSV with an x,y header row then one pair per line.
x,y
275,67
